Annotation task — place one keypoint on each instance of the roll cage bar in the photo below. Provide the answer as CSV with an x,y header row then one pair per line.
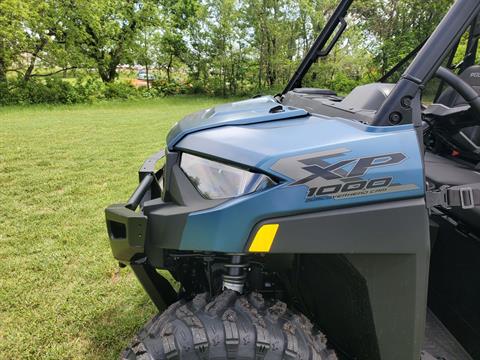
x,y
403,104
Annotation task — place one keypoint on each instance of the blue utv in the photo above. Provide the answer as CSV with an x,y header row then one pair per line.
x,y
314,226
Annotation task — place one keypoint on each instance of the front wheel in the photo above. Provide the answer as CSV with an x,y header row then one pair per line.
x,y
230,326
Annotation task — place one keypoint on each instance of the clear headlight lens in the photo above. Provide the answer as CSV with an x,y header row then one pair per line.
x,y
215,180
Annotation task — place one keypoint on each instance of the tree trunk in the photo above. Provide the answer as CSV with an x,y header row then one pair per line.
x,y
233,82
148,77
3,71
103,73
169,67
224,81
108,72
112,69
28,73
3,64
260,68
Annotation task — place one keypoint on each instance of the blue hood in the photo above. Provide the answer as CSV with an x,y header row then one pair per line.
x,y
290,150
237,113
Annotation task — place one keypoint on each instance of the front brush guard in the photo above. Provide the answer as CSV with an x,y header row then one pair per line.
x,y
126,227
127,230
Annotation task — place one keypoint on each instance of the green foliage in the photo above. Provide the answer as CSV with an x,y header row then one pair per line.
x,y
85,90
396,27
53,91
216,47
164,87
120,90
31,31
104,31
90,89
50,91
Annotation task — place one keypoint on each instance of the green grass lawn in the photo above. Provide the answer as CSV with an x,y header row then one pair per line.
x,y
62,295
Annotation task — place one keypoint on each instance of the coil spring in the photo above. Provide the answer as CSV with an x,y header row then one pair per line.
x,y
235,276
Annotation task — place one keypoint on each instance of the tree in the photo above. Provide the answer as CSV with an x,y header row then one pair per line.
x,y
30,32
221,46
170,41
104,31
225,37
168,48
13,14
396,27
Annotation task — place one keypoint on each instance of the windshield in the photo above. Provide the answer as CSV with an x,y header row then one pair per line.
x,y
379,34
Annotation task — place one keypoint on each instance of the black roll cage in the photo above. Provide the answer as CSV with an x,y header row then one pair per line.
x,y
404,101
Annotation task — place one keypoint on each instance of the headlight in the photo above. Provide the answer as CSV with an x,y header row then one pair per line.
x,y
215,180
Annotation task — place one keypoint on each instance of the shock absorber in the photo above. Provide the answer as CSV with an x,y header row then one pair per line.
x,y
235,275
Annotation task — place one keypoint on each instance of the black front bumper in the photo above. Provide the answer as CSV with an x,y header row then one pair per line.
x,y
126,227
127,231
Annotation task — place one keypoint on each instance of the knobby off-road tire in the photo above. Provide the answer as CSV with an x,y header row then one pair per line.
x,y
228,327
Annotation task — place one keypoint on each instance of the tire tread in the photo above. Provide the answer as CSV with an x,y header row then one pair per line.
x,y
229,326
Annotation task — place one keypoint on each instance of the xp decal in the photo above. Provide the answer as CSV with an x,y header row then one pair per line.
x,y
331,174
